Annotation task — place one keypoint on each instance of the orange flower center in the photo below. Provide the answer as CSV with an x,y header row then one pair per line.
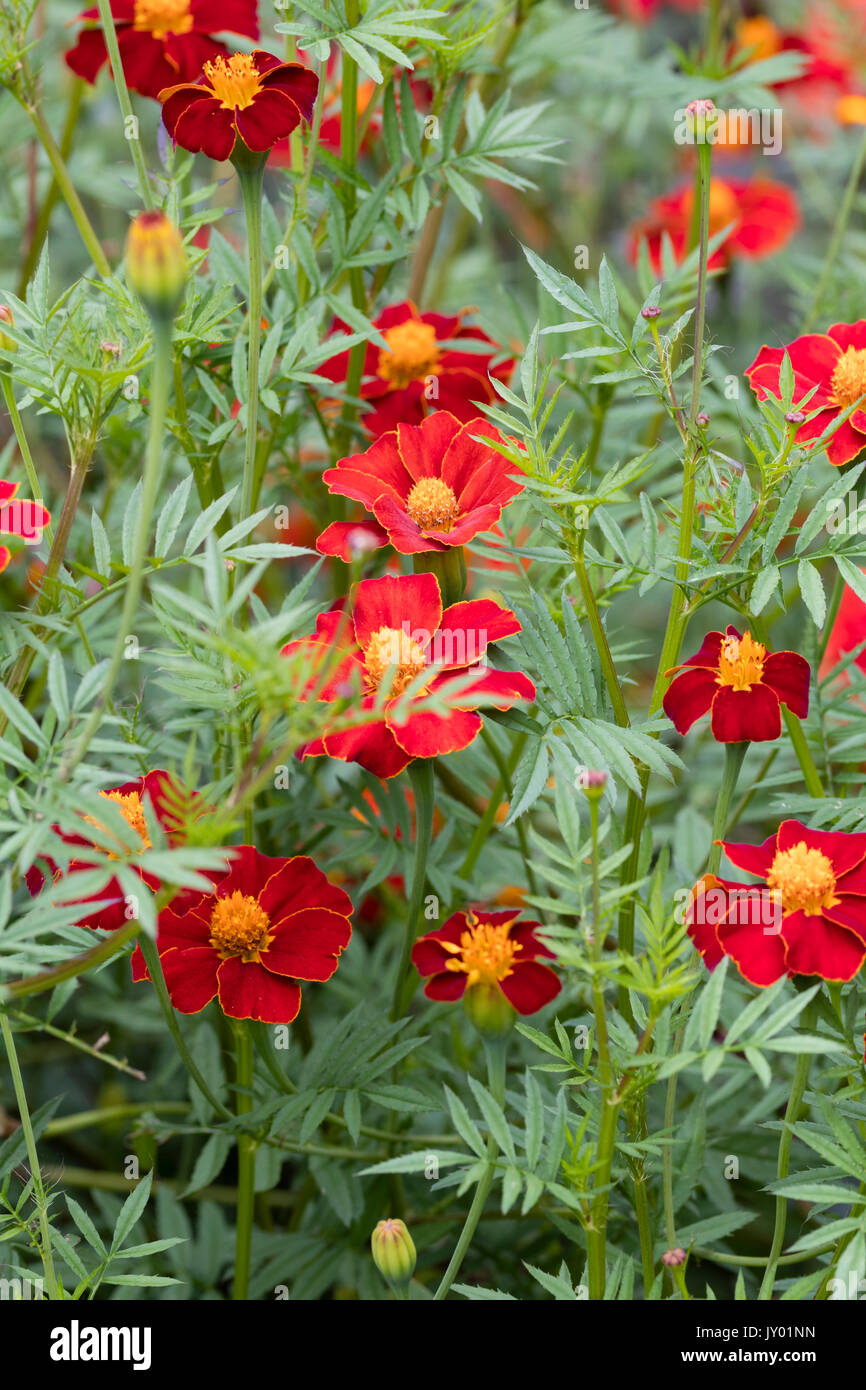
x,y
389,649
760,34
432,505
161,17
414,353
741,662
239,927
129,804
804,878
234,81
849,378
485,953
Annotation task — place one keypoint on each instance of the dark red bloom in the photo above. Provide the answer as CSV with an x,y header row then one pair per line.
x,y
487,949
829,369
161,41
19,517
418,373
255,98
171,807
848,631
267,924
742,684
764,215
396,634
430,486
807,917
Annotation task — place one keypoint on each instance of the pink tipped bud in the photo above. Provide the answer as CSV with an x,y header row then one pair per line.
x,y
672,1258
652,311
393,1252
795,417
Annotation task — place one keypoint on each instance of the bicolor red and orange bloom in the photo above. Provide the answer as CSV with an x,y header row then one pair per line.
x,y
19,518
830,370
253,98
489,950
266,925
161,41
171,806
430,486
419,372
741,685
395,635
807,916
762,214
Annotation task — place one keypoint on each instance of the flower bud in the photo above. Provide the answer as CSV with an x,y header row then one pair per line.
x,y
156,264
652,311
795,417
7,344
592,781
393,1252
488,1010
671,1259
702,117
703,419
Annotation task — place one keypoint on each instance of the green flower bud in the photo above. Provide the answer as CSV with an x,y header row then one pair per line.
x,y
393,1252
488,1010
156,264
7,344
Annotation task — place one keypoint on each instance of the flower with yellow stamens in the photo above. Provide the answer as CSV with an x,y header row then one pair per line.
x,y
741,684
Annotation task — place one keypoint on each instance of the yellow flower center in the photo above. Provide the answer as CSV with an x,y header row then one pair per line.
x,y
432,505
741,662
485,953
161,17
129,804
414,353
234,81
239,927
804,878
760,34
849,378
389,649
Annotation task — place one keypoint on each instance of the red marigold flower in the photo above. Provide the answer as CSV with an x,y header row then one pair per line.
x,y
170,804
742,684
491,949
267,924
397,633
829,368
807,918
418,373
430,486
255,98
161,41
19,517
764,215
847,633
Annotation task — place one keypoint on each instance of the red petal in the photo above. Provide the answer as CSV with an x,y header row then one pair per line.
x,y
271,117
392,601
88,55
689,696
307,945
788,674
191,977
447,987
530,986
753,859
845,851
749,937
426,735
816,946
741,716
247,990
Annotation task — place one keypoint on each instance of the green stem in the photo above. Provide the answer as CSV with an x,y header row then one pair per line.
x,y
610,1106
611,679
32,1156
798,1086
116,63
842,218
421,777
162,369
246,1163
734,755
251,180
155,972
47,979
67,188
495,1049
23,446
43,221
795,730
